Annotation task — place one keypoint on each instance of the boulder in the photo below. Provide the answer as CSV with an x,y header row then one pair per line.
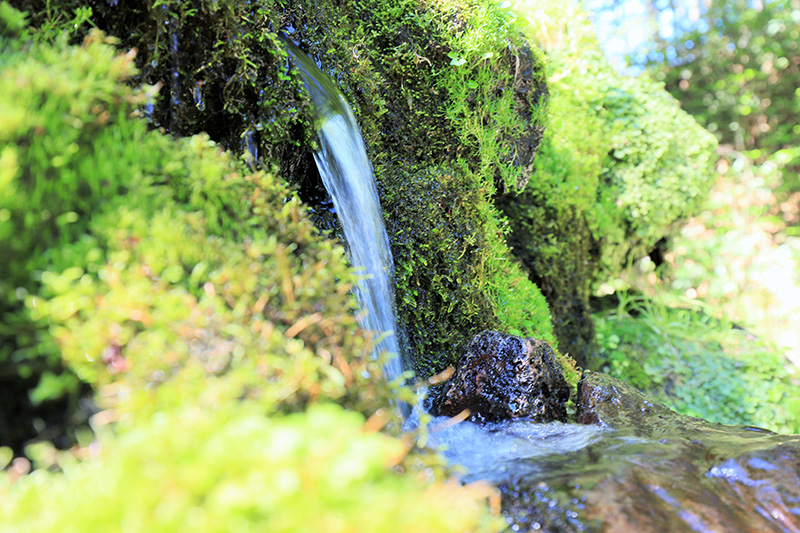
x,y
503,376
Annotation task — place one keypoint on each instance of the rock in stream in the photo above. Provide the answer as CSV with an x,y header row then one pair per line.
x,y
503,376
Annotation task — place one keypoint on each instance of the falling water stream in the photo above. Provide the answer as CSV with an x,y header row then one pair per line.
x,y
347,175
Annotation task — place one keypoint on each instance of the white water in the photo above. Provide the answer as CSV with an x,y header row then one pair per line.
x,y
347,175
498,451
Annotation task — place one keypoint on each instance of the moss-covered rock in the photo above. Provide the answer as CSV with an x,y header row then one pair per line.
x,y
132,256
209,315
448,97
620,164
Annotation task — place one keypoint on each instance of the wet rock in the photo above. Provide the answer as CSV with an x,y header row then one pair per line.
x,y
530,91
503,376
612,403
651,469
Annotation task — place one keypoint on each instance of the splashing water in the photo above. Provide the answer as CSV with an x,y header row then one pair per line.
x,y
347,175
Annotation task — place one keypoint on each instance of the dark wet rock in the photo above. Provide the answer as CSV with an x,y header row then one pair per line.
x,y
647,468
527,81
612,403
503,376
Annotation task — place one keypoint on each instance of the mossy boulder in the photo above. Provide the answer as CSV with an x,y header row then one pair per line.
x,y
619,166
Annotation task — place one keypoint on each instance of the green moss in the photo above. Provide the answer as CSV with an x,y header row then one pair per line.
x,y
122,242
440,89
232,469
205,310
439,155
620,164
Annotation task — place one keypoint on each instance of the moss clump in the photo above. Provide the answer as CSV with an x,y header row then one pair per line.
x,y
310,471
131,254
620,164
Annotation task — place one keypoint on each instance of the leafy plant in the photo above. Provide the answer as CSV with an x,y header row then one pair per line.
x,y
697,364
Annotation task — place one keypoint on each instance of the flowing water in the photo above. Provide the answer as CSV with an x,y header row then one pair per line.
x,y
347,175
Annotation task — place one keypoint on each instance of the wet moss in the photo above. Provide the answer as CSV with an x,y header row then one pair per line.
x,y
130,255
205,310
442,91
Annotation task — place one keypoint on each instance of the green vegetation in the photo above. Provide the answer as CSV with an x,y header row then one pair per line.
x,y
231,468
445,90
698,365
620,164
753,58
734,66
212,320
172,317
736,264
444,145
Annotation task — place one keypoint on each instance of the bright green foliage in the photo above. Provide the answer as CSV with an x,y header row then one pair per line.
x,y
203,307
50,178
698,365
231,469
738,72
12,22
648,165
619,164
194,260
64,111
454,272
443,121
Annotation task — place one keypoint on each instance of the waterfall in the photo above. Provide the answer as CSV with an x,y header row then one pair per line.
x,y
347,175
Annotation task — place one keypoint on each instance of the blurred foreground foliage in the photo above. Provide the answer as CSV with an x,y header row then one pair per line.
x,y
206,312
233,469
